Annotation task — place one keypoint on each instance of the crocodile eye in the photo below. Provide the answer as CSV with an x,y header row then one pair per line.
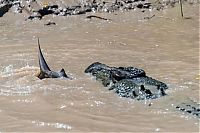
x,y
142,88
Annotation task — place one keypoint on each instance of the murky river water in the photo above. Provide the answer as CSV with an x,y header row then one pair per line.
x,y
166,47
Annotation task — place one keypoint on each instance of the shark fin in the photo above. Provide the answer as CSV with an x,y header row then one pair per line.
x,y
42,62
63,74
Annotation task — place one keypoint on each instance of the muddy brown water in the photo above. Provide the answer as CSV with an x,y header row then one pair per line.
x,y
166,47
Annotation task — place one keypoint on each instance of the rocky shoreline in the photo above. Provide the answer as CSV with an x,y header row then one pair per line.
x,y
38,11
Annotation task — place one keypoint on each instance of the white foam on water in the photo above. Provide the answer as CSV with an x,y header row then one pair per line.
x,y
10,71
99,103
7,70
17,81
62,106
22,101
157,129
55,125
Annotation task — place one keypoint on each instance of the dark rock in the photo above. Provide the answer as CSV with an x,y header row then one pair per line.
x,y
16,7
50,23
53,7
45,11
140,5
74,7
35,15
4,8
83,7
150,17
93,16
147,5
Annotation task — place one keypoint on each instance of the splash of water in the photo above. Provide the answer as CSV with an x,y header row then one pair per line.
x,y
8,70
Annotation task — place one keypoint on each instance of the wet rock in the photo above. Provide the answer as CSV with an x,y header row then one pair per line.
x,y
38,14
50,23
80,8
4,8
128,82
93,16
34,9
46,10
35,15
149,17
189,107
16,7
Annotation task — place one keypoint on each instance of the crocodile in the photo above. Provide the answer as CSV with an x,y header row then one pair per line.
x,y
130,82
189,107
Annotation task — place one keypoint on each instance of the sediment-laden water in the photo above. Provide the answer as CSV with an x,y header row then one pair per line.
x,y
166,47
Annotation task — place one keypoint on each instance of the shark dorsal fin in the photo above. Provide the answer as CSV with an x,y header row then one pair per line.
x,y
42,62
63,74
